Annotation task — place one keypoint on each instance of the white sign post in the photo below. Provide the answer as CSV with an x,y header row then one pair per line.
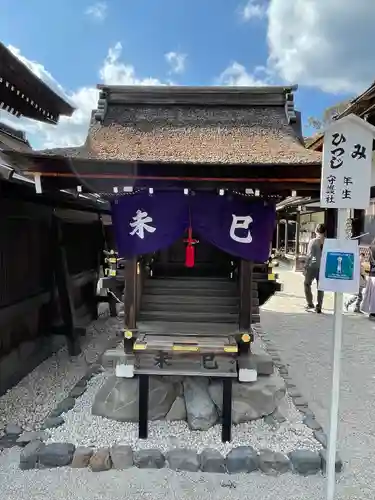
x,y
345,184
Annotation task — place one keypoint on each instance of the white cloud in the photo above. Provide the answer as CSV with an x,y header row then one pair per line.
x,y
254,9
236,75
323,43
73,131
176,61
97,11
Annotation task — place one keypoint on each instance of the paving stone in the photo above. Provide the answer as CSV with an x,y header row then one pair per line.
x,y
242,459
263,362
306,411
13,430
312,423
321,437
305,462
212,461
30,454
64,406
273,463
81,457
293,392
324,457
57,454
101,460
183,459
29,436
52,422
121,456
8,441
149,459
300,401
278,416
77,391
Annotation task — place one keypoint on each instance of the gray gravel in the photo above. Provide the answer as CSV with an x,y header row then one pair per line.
x,y
29,402
304,341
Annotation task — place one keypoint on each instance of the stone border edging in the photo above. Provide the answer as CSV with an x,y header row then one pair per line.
x,y
299,401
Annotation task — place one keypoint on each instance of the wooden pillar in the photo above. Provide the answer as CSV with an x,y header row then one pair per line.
x,y
298,227
130,295
64,288
286,236
330,215
277,235
246,280
358,222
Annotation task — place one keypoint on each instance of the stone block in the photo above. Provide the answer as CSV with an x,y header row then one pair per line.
x,y
177,411
101,460
200,409
338,462
251,400
273,463
117,399
52,422
63,407
30,454
305,462
263,363
311,423
29,436
183,459
121,456
242,459
77,392
212,461
56,454
81,457
13,430
149,459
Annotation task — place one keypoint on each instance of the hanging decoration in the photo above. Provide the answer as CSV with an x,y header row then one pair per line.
x,y
190,249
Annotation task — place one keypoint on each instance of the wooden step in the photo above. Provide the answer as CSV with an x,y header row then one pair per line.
x,y
176,316
181,283
196,292
178,344
192,299
190,307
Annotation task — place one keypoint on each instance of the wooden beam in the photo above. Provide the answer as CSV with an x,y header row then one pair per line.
x,y
246,279
130,296
64,288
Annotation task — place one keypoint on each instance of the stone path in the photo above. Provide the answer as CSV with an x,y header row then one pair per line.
x,y
304,341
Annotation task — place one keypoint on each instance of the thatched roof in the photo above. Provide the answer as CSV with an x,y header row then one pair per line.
x,y
217,125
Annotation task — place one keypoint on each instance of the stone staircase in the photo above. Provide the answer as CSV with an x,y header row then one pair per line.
x,y
193,300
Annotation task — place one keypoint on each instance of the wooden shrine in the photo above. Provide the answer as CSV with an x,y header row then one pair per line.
x,y
244,143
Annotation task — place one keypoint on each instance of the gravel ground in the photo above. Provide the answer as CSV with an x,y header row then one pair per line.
x,y
29,402
83,428
304,342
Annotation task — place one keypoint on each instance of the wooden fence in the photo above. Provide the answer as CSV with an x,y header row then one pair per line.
x,y
49,265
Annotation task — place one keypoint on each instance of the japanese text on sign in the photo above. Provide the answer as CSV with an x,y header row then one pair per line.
x,y
346,172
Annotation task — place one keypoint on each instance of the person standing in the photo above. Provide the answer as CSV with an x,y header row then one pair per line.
x,y
312,267
358,297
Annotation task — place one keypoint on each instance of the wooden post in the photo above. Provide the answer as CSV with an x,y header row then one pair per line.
x,y
246,279
130,295
143,390
358,223
330,217
286,236
64,288
298,231
277,235
226,429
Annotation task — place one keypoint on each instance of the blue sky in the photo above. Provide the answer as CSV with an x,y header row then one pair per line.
x,y
83,42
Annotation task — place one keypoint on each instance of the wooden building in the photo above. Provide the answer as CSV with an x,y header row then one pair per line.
x,y
235,141
32,253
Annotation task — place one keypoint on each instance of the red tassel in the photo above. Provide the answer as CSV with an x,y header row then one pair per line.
x,y
190,256
190,250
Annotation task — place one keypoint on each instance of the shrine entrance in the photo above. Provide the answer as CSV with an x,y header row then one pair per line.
x,y
209,260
